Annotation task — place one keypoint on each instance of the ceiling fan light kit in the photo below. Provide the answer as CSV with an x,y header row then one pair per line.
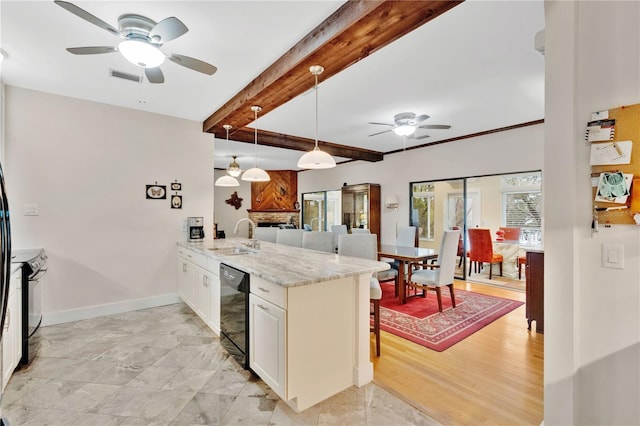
x,y
256,174
404,130
316,159
227,180
141,53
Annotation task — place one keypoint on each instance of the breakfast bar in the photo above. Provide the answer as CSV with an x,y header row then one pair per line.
x,y
308,322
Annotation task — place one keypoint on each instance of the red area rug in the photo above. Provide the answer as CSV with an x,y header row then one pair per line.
x,y
419,321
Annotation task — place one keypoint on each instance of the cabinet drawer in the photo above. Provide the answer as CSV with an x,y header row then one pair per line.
x,y
197,258
269,291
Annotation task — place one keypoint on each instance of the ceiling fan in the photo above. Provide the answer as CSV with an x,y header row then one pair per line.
x,y
406,123
142,39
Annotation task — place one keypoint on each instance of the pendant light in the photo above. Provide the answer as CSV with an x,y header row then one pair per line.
x,y
255,174
234,168
316,159
227,180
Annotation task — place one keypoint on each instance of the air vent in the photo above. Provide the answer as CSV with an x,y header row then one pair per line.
x,y
124,76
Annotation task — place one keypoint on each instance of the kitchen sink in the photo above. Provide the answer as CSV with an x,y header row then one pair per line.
x,y
232,250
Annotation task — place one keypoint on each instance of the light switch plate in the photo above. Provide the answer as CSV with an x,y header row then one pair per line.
x,y
31,210
613,256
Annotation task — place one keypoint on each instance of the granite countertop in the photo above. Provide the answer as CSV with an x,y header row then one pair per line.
x,y
286,265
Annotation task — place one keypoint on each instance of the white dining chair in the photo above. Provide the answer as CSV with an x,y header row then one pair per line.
x,y
440,274
265,234
290,237
366,246
406,236
360,231
337,230
318,240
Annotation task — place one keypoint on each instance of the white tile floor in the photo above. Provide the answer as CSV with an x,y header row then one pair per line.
x,y
163,366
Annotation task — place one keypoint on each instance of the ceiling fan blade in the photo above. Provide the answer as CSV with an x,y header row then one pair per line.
x,y
194,64
87,16
154,75
91,50
434,126
420,118
420,137
379,133
381,124
168,29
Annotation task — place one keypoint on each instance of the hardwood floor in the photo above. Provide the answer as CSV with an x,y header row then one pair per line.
x,y
493,377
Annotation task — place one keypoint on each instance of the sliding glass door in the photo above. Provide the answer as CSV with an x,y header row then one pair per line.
x,y
498,202
321,210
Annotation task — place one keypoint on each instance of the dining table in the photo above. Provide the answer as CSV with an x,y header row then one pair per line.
x,y
405,255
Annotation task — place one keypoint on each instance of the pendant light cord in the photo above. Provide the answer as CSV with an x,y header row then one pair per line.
x,y
255,138
316,75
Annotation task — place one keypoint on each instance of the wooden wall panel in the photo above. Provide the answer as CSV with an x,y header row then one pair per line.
x,y
280,193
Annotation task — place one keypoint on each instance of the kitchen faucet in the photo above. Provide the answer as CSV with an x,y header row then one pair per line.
x,y
253,243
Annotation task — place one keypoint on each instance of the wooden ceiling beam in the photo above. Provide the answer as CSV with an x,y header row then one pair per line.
x,y
280,140
353,32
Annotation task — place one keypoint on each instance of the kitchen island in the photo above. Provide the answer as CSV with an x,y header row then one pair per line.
x,y
309,323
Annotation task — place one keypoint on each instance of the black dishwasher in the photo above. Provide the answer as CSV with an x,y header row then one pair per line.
x,y
234,313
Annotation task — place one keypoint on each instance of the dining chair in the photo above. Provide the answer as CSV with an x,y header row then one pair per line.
x,y
365,246
460,246
481,250
290,237
510,233
318,240
360,231
338,230
522,261
406,236
265,234
440,274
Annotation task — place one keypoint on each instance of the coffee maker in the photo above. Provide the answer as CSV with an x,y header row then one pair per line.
x,y
195,226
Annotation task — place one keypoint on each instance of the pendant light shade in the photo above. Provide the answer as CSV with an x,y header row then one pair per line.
x,y
227,180
256,174
316,159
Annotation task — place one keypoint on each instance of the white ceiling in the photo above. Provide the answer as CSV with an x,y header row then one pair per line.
x,y
474,68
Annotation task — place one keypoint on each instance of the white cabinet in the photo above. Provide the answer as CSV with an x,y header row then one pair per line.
x,y
199,286
268,333
267,343
11,335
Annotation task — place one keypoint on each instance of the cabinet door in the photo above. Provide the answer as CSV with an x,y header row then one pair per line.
x,y
11,339
203,294
214,302
183,279
267,355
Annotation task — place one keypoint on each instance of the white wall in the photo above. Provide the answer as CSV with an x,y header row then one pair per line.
x,y
592,314
504,152
86,166
227,215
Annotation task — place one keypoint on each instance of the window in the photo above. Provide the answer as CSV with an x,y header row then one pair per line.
x,y
522,204
321,210
423,209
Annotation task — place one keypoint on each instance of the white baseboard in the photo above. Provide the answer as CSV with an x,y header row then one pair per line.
x,y
51,318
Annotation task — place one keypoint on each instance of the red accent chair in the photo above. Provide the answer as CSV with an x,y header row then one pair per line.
x,y
522,260
481,250
510,233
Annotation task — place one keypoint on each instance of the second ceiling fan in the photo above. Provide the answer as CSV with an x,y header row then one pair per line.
x,y
406,124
